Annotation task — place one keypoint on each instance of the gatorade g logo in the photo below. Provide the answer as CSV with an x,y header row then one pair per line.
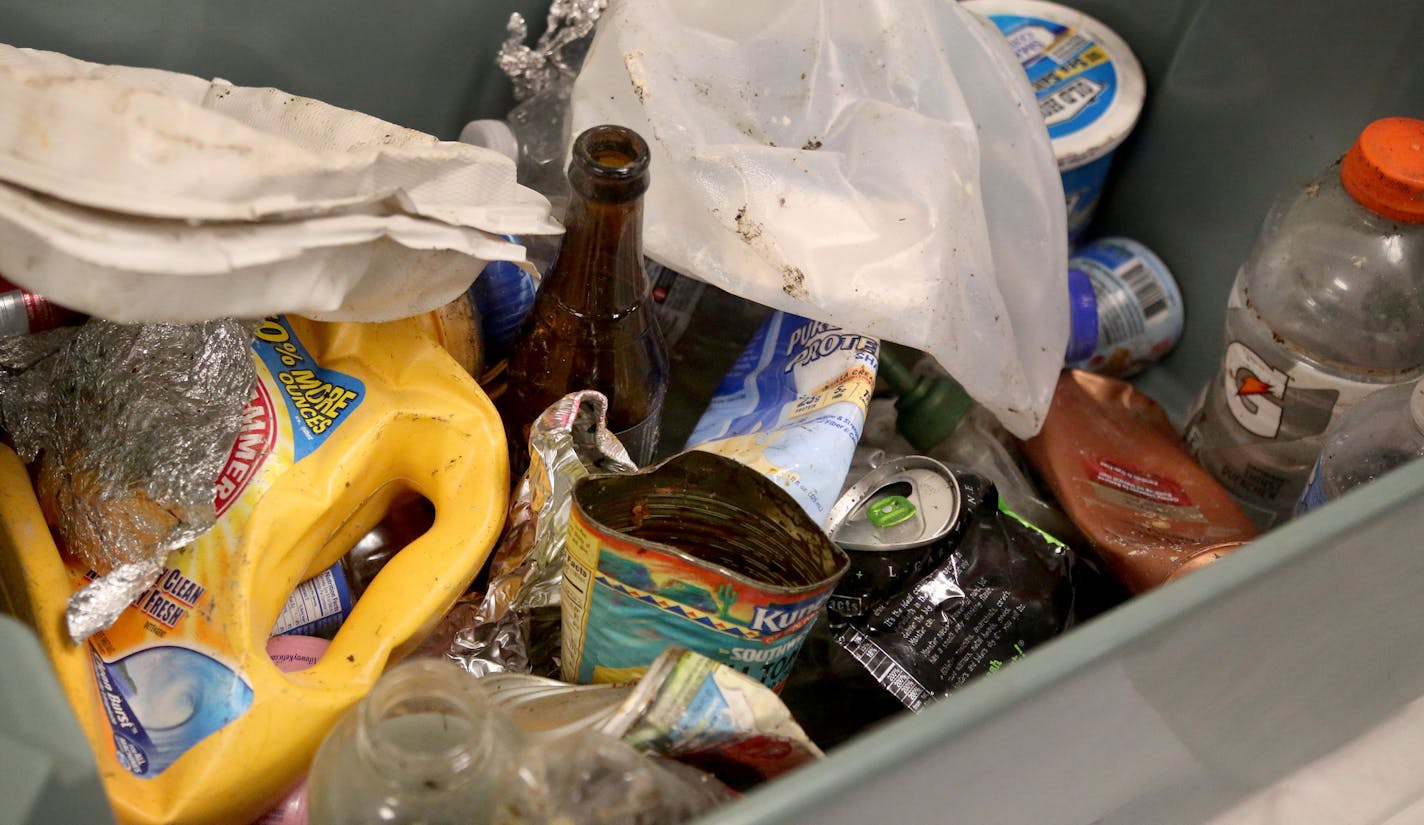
x,y
1253,390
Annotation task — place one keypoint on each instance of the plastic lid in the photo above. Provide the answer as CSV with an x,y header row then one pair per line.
x,y
491,134
1082,317
1384,170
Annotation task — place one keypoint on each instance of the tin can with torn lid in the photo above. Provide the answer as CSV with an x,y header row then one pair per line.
x,y
895,523
699,551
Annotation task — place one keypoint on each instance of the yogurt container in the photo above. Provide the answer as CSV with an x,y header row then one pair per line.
x,y
1089,88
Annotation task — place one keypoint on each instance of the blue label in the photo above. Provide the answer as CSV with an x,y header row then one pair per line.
x,y
1082,187
162,701
708,718
1082,316
1071,74
754,392
800,388
1314,495
1110,255
318,399
317,607
504,295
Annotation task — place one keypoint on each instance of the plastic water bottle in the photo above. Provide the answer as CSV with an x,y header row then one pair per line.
x,y
1382,432
1328,307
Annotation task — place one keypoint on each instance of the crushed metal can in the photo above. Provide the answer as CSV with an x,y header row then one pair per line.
x,y
896,522
699,551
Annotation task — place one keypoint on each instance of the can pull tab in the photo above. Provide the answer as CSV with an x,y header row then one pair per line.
x,y
887,511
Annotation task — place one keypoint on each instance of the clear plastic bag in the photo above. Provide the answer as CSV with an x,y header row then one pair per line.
x,y
876,165
591,778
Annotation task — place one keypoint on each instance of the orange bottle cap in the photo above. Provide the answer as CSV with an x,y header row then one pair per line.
x,y
1384,170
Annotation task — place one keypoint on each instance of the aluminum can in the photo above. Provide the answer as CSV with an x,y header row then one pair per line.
x,y
896,523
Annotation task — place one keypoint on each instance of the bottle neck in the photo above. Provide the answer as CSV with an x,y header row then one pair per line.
x,y
420,727
599,271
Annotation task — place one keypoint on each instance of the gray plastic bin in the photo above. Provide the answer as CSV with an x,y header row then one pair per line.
x,y
1171,708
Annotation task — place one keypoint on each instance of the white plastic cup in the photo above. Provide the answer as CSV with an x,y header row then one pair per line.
x,y
1089,87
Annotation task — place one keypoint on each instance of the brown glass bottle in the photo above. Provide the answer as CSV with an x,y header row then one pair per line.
x,y
592,325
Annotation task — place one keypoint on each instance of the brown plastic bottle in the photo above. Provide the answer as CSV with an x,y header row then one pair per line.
x,y
592,326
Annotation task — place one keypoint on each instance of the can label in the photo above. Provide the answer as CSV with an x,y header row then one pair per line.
x,y
1261,421
616,592
23,312
747,600
1139,308
317,607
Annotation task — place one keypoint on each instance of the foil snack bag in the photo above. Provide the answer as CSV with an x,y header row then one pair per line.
x,y
515,626
1000,587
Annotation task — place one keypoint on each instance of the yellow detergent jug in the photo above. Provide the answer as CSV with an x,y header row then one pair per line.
x,y
190,720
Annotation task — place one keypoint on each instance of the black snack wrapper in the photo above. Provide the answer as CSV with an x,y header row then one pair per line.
x,y
1004,588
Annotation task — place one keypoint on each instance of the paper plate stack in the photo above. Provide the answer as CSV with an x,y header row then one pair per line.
x,y
145,195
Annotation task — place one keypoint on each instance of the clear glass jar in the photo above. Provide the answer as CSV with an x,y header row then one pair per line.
x,y
425,746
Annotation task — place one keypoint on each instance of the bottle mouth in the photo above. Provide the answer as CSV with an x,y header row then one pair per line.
x,y
419,722
610,163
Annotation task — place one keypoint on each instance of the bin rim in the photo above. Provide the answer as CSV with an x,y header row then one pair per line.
x,y
908,736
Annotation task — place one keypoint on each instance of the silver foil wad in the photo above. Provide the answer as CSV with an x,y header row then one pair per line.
x,y
515,626
559,52
129,425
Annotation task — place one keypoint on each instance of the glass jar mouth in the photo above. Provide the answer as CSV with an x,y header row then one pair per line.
x,y
420,722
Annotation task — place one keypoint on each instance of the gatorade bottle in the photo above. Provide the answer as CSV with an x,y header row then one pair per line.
x,y
1375,436
1328,307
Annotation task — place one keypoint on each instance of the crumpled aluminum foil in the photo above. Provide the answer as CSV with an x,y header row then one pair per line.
x,y
560,49
515,626
130,424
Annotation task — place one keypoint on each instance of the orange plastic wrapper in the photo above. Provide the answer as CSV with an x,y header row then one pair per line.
x,y
1125,478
